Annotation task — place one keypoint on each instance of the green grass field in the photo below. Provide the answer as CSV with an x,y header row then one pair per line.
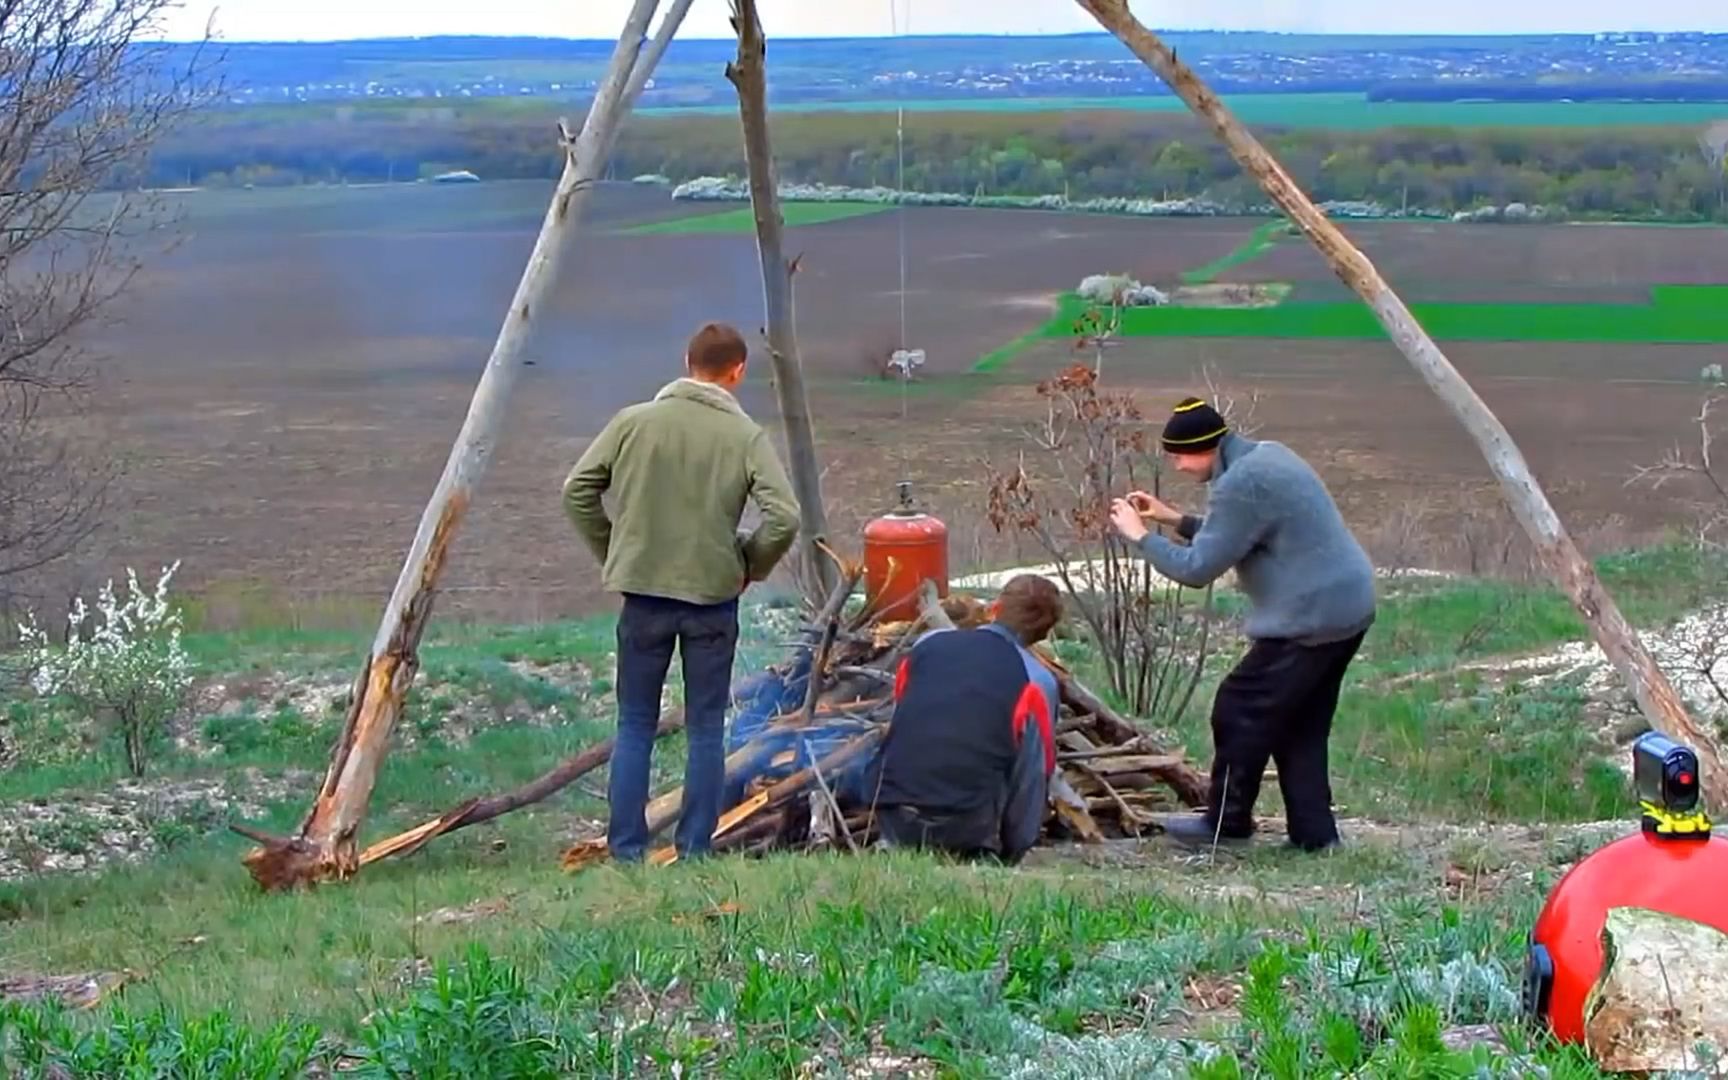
x,y
742,219
1675,314
1262,240
1341,110
478,957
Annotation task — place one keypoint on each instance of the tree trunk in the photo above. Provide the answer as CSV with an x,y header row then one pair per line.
x,y
749,75
325,848
1656,697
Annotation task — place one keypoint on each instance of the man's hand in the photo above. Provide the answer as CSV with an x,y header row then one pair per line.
x,y
1127,520
1150,506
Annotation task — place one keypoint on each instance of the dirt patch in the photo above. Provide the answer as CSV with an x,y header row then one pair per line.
x,y
1441,262
449,710
460,916
131,821
1230,295
85,990
1692,651
287,390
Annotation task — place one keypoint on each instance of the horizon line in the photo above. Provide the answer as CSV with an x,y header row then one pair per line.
x,y
924,36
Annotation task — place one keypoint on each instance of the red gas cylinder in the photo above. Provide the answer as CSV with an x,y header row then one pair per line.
x,y
1674,865
903,549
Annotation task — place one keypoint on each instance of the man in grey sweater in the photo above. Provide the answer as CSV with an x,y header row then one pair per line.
x,y
1310,588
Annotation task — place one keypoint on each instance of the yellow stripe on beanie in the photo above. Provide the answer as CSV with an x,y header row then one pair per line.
x,y
1198,438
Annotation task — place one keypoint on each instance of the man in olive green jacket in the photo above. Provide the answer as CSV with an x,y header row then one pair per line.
x,y
680,469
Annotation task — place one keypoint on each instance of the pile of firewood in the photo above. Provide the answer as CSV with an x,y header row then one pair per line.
x,y
1110,779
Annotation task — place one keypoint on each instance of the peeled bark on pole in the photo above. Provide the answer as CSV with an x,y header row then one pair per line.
x,y
749,75
326,847
1655,695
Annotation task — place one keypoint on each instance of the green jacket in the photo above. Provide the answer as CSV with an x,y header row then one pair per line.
x,y
680,468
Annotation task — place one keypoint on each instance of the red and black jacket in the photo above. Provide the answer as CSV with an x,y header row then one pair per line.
x,y
963,701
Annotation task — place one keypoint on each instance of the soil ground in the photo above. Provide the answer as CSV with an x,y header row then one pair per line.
x,y
1535,264
289,380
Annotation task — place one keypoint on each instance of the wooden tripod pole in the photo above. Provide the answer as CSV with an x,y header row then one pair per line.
x,y
749,75
1655,695
326,847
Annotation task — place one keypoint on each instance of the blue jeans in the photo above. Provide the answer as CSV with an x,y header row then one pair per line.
x,y
707,639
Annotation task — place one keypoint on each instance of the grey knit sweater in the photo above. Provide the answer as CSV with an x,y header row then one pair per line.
x,y
1271,517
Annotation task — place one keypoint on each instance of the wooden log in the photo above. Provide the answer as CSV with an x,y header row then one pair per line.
x,y
828,625
1071,745
1071,811
475,811
1190,784
1659,995
778,793
326,847
1151,764
1656,698
931,609
1128,749
748,74
1131,820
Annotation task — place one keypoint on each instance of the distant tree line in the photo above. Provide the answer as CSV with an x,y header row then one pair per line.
x,y
1658,172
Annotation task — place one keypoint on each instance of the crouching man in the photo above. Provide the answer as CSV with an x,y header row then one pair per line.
x,y
1310,591
967,761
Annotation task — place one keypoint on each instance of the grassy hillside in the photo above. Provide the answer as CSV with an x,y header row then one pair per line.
x,y
478,957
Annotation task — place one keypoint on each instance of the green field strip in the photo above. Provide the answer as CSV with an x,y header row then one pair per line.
x,y
1341,110
1676,314
743,219
997,358
1259,242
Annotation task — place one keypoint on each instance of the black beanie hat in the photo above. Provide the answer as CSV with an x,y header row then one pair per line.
x,y
1194,427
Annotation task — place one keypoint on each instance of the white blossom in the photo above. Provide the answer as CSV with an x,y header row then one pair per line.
x,y
131,665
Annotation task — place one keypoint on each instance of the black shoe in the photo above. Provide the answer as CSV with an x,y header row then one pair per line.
x,y
1197,830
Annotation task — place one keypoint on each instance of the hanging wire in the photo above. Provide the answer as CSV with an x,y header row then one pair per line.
x,y
894,22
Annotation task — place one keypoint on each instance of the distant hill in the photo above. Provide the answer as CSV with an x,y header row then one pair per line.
x,y
975,66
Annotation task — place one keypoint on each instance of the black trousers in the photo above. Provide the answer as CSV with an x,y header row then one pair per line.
x,y
1277,704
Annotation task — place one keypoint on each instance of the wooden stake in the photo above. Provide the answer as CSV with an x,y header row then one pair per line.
x,y
326,847
749,75
1656,697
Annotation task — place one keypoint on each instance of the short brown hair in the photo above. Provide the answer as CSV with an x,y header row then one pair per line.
x,y
1031,606
716,349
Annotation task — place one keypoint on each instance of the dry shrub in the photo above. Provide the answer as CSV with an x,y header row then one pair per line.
x,y
1094,446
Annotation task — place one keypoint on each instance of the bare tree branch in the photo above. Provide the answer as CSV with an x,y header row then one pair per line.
x,y
83,99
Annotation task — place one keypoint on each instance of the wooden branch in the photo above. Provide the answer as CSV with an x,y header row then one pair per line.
x,y
749,75
1126,749
1071,811
1133,821
1656,698
777,794
1191,785
326,847
828,797
930,608
476,811
828,625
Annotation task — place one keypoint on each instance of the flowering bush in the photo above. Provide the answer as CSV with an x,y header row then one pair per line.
x,y
131,668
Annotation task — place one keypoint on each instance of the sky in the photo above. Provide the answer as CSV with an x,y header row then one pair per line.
x,y
323,20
